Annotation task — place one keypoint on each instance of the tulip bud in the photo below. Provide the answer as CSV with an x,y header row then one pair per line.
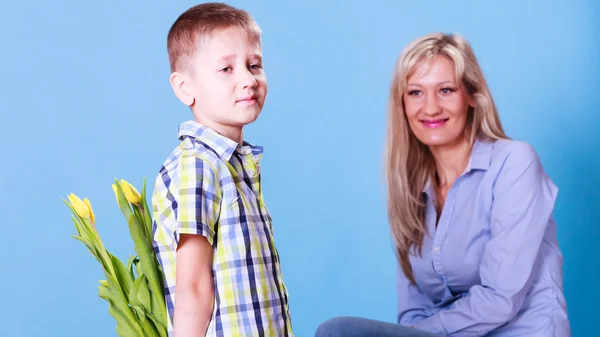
x,y
89,206
114,188
131,194
80,207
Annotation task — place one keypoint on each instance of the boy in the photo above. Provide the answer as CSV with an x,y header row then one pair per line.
x,y
212,231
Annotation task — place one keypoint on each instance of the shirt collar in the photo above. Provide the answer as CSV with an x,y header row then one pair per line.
x,y
481,155
222,145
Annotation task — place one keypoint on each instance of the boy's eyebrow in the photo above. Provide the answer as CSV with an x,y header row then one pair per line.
x,y
231,57
226,58
258,56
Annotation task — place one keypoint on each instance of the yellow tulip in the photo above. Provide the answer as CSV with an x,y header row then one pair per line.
x,y
114,188
131,194
89,206
80,207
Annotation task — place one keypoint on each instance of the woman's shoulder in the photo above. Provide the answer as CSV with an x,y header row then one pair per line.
x,y
513,153
513,161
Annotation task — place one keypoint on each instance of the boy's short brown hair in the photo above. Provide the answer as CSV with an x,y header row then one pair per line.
x,y
199,22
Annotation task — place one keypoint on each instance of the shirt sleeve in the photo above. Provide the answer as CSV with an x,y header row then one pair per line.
x,y
199,198
413,305
522,206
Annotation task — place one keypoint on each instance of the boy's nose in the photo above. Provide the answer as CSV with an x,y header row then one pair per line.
x,y
247,80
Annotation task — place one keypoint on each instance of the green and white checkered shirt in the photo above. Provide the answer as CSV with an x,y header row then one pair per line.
x,y
210,186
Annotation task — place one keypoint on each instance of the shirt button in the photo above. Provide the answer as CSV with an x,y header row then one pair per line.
x,y
436,249
251,172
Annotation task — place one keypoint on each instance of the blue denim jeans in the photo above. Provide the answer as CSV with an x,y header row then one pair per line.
x,y
361,327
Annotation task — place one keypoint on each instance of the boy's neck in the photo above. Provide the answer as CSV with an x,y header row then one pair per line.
x,y
234,133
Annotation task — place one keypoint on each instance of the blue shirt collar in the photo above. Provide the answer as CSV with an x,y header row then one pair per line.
x,y
222,145
481,156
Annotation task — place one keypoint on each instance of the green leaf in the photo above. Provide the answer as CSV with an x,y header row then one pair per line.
x,y
147,216
146,314
123,276
78,226
123,203
143,294
120,301
146,234
127,325
159,311
148,263
132,260
139,282
159,308
139,314
147,259
147,255
138,268
140,301
147,326
90,247
160,325
100,257
89,236
82,225
82,231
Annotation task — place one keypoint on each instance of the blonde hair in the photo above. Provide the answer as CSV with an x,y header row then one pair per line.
x,y
201,21
409,163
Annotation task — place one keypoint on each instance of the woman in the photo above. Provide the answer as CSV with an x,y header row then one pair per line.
x,y
470,210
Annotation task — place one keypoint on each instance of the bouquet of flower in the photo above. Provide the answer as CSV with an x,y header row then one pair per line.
x,y
134,291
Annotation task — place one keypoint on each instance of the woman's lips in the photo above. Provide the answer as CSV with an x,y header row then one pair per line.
x,y
434,123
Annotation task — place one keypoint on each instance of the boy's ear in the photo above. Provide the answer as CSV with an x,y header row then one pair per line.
x,y
181,86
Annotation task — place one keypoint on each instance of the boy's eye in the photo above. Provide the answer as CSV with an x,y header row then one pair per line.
x,y
255,66
226,69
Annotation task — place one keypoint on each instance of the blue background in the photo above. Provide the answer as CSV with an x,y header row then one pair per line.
x,y
84,98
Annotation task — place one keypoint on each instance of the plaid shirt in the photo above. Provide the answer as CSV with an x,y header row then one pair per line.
x,y
210,186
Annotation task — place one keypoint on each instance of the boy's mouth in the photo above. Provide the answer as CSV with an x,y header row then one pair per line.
x,y
248,100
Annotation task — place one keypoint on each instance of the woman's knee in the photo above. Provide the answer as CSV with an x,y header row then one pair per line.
x,y
335,327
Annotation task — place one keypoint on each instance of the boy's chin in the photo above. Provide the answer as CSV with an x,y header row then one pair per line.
x,y
236,117
245,121
242,118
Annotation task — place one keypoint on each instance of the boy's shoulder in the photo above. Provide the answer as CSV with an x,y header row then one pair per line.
x,y
190,153
200,144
